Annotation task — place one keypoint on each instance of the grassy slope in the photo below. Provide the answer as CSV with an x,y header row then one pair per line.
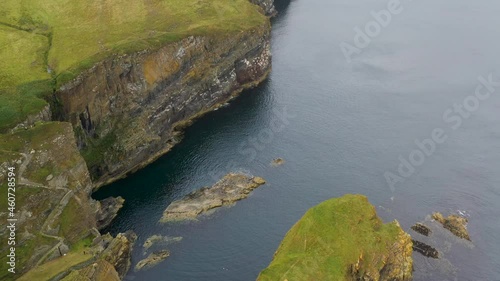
x,y
23,75
328,239
68,36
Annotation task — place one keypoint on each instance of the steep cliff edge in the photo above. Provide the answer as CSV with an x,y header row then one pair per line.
x,y
342,239
127,110
123,77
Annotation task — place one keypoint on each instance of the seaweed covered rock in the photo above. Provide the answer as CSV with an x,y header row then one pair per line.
x,y
152,260
342,239
425,250
422,229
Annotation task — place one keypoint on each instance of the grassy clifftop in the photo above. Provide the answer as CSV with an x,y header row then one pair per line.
x,y
342,239
46,43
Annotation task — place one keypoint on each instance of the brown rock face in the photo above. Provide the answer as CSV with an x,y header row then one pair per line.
x,y
422,229
398,264
425,249
229,189
118,252
456,224
127,110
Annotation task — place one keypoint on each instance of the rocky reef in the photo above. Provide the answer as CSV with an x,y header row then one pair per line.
x,y
342,239
454,223
231,188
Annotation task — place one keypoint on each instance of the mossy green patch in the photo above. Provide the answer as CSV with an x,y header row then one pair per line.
x,y
330,238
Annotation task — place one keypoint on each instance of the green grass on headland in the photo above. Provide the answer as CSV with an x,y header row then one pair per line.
x,y
44,39
330,238
23,76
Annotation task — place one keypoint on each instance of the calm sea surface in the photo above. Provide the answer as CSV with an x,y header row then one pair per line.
x,y
340,126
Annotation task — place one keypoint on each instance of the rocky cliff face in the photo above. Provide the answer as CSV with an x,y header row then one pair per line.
x,y
267,6
128,110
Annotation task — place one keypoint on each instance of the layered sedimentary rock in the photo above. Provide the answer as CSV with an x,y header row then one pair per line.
x,y
231,188
342,239
127,110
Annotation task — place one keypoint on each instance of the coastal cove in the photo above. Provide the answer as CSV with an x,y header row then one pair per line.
x,y
339,126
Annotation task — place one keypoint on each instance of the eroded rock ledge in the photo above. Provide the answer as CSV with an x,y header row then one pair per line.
x,y
229,189
342,239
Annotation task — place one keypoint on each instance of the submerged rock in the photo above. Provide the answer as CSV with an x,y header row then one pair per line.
x,y
118,252
278,162
342,239
107,210
454,223
425,249
152,260
422,229
229,189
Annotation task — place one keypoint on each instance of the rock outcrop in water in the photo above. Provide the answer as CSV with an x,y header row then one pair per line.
x,y
424,249
455,224
159,239
152,260
231,188
422,229
342,239
126,104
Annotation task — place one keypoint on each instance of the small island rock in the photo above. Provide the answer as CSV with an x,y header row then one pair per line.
x,y
231,188
152,260
455,224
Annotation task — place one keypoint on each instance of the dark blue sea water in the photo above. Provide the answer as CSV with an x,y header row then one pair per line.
x,y
341,126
